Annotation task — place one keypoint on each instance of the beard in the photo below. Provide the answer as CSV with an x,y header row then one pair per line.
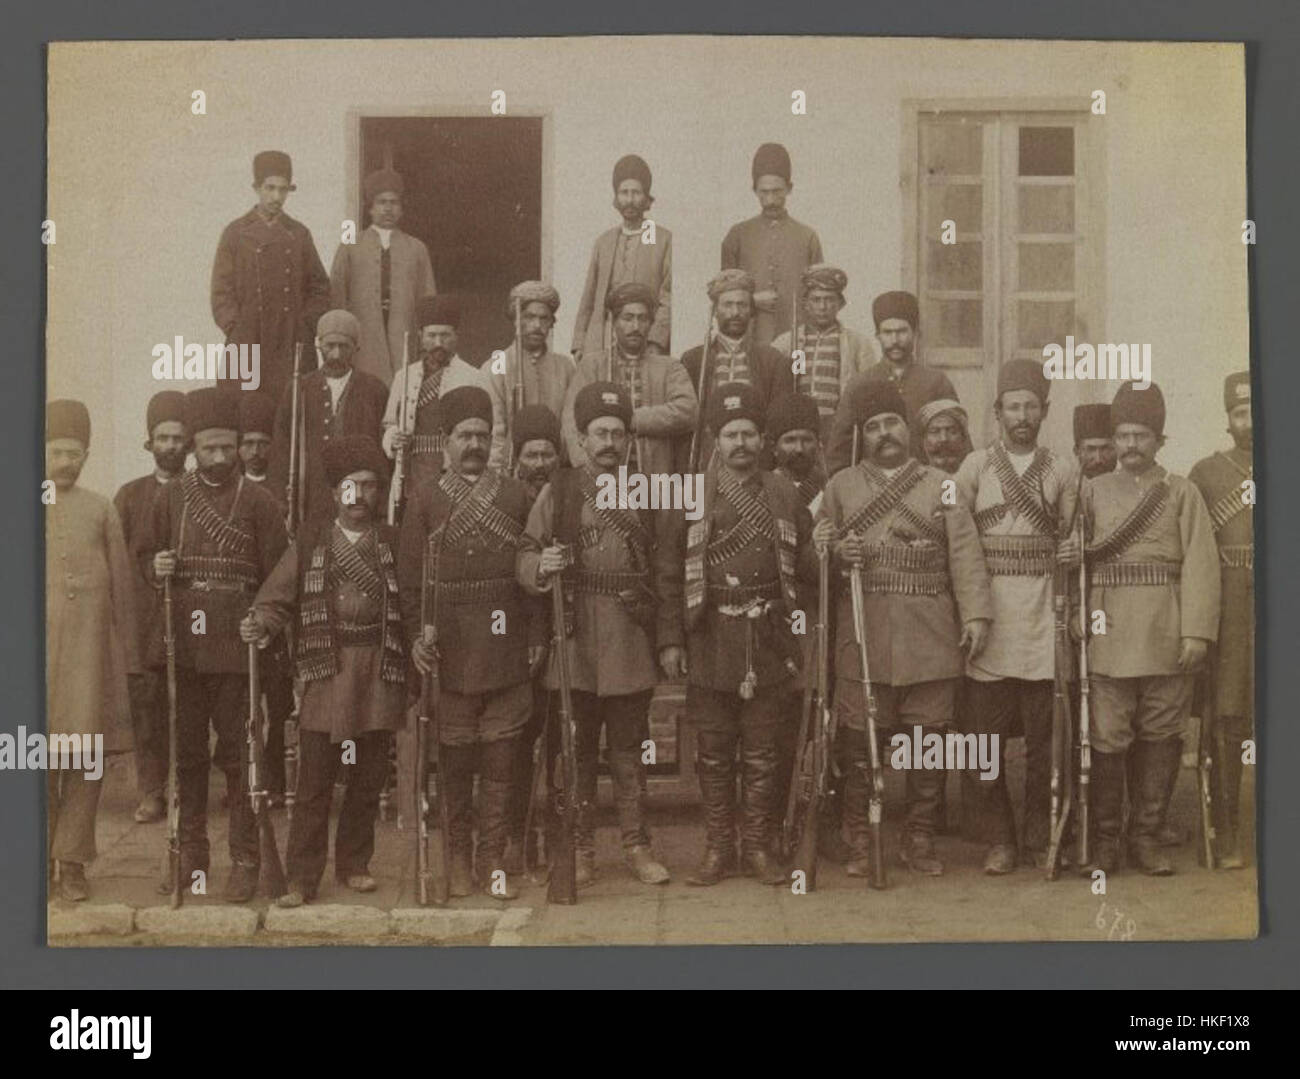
x,y
798,464
218,473
1023,434
170,460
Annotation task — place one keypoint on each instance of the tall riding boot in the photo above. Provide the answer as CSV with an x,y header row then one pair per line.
x,y
458,789
1155,761
521,775
714,764
1167,835
855,766
584,844
917,851
830,831
787,737
493,823
1107,811
759,785
625,764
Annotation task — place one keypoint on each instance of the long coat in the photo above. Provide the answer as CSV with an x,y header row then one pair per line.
x,y
652,265
776,251
545,382
90,633
355,286
269,288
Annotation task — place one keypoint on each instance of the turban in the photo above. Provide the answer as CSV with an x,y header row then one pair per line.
x,y
826,276
631,292
1091,421
1236,390
730,281
339,321
439,310
378,182
464,403
875,398
167,406
896,305
771,159
527,292
943,406
631,167
734,401
67,419
1146,407
1023,375
534,422
256,413
597,399
792,412
212,407
272,163
352,453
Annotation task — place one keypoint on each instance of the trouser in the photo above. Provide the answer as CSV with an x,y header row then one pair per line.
x,y
495,762
994,708
74,798
626,720
354,835
1226,768
221,700
275,671
725,720
148,692
543,721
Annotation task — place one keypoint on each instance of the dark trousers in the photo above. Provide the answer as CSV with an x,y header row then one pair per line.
x,y
996,708
74,798
148,692
354,835
275,671
220,700
495,763
626,719
543,719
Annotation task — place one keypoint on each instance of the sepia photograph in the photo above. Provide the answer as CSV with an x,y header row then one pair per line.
x,y
647,490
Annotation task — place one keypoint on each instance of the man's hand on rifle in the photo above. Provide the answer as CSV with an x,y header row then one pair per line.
x,y
823,535
672,662
400,440
1191,653
536,656
424,653
251,630
852,549
164,564
974,636
553,560
1069,552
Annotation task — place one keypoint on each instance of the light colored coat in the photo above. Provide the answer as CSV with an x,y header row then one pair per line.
x,y
652,266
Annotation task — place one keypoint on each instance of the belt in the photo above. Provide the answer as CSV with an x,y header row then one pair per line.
x,y
900,557
213,573
204,584
723,595
1121,574
1019,556
605,583
356,633
904,582
486,590
426,444
1242,556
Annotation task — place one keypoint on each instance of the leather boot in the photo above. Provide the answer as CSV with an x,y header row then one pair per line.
x,y
1167,835
458,789
242,885
759,784
493,822
1107,811
714,765
584,842
917,851
830,831
1226,777
72,882
1155,760
856,788
641,860
625,769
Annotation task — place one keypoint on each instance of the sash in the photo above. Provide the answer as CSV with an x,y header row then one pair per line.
x,y
1017,491
1133,526
891,494
229,537
429,388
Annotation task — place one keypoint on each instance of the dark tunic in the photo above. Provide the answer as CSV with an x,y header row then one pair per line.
x,y
134,504
360,412
776,251
1219,478
918,385
767,370
212,576
269,288
476,578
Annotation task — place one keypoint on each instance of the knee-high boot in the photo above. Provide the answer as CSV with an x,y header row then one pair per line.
x,y
494,793
714,764
458,789
759,783
1107,796
1155,762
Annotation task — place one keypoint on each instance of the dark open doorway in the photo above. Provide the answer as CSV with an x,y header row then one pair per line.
x,y
474,196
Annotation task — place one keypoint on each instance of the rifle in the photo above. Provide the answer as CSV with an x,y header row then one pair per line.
x,y
697,436
395,491
272,867
876,806
1085,712
1061,783
1205,768
609,349
427,727
563,886
806,853
291,757
173,858
516,391
537,776
294,495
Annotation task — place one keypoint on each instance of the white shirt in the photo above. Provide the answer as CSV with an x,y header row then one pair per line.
x,y
385,236
337,386
352,536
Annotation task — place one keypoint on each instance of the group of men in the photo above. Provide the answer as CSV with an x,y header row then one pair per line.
x,y
809,450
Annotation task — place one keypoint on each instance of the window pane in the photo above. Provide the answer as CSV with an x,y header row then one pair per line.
x,y
959,323
953,266
959,203
1044,322
1046,208
1046,267
1047,151
952,149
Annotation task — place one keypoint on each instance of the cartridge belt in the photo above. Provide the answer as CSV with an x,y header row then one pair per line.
x,y
216,574
426,444
1019,556
1120,574
354,633
485,590
1241,555
722,595
605,583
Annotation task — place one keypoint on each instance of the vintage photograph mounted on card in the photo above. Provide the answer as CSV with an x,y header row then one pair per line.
x,y
419,573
